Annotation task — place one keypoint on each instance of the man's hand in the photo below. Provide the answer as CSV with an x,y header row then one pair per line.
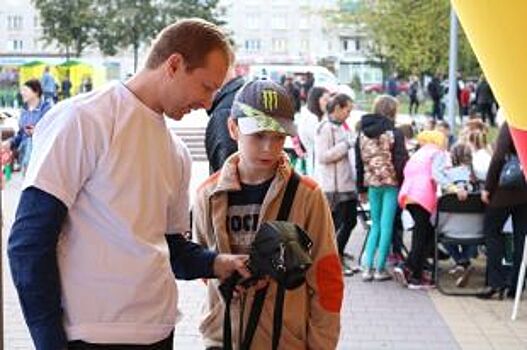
x,y
485,197
226,264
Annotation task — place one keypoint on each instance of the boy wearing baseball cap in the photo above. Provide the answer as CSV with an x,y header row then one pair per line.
x,y
248,190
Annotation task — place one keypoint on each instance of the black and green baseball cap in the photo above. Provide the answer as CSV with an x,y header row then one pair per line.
x,y
263,105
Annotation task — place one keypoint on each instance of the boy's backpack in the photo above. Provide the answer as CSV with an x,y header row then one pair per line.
x,y
280,250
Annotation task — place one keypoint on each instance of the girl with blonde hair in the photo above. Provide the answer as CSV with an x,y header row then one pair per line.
x,y
418,195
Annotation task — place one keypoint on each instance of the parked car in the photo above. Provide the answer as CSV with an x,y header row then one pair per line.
x,y
378,88
322,76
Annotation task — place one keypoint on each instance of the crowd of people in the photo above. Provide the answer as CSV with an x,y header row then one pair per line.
x,y
471,97
401,171
382,163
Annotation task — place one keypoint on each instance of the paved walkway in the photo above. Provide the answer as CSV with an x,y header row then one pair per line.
x,y
375,315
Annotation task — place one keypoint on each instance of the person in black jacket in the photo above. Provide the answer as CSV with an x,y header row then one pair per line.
x,y
435,91
380,159
503,203
294,91
485,100
218,143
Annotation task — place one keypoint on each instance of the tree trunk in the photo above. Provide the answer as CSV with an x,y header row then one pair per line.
x,y
78,49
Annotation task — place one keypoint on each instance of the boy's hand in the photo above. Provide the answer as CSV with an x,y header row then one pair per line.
x,y
260,284
226,264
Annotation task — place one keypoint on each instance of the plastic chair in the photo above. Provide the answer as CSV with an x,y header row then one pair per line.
x,y
458,222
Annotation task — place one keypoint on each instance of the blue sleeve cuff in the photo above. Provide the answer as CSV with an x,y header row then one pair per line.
x,y
189,260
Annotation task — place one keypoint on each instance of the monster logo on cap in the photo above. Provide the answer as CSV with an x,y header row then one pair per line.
x,y
270,99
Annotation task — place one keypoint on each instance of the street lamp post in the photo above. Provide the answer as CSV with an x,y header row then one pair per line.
x,y
452,79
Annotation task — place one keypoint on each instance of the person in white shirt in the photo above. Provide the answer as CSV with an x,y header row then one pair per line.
x,y
94,261
310,116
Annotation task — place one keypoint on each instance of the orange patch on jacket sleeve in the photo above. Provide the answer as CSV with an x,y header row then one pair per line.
x,y
309,182
329,283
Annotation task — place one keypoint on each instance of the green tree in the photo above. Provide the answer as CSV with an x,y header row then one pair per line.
x,y
407,35
131,23
70,24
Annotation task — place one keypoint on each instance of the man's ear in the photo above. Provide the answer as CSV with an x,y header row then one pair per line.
x,y
234,131
174,63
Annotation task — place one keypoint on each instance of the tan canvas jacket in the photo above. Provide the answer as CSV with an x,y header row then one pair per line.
x,y
311,317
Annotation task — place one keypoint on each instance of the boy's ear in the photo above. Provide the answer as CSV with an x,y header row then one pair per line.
x,y
233,129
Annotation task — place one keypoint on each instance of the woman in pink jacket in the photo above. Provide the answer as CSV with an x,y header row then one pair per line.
x,y
418,195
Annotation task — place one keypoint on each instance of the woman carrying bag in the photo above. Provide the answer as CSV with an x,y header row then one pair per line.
x,y
505,196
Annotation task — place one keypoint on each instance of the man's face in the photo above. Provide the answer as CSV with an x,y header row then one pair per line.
x,y
260,151
189,90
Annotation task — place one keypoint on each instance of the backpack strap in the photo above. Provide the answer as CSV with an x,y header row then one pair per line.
x,y
289,196
278,315
227,333
254,317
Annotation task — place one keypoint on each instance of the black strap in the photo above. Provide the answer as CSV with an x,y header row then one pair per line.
x,y
277,317
259,297
227,333
289,196
254,317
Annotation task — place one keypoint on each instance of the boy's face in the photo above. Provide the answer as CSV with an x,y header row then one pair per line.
x,y
260,151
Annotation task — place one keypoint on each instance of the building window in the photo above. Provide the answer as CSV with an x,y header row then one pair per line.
x,y
346,44
279,22
351,44
279,45
14,22
253,45
253,21
15,45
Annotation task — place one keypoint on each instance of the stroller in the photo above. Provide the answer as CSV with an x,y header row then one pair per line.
x,y
459,223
